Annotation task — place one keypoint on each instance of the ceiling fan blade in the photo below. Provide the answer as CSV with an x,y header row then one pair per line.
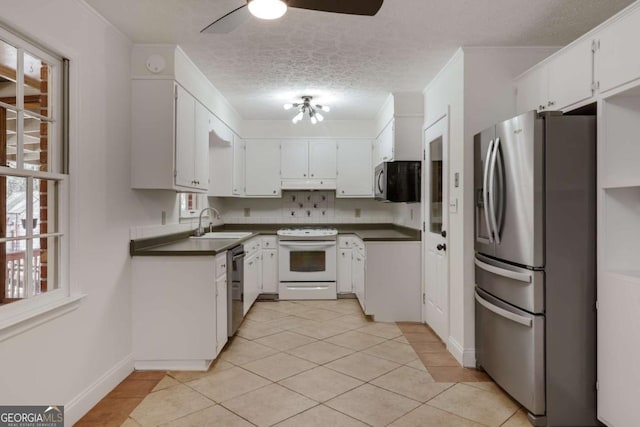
x,y
228,22
351,7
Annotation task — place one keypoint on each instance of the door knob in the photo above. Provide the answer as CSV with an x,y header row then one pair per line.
x,y
442,247
443,233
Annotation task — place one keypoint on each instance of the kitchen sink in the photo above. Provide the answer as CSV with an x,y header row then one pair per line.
x,y
224,235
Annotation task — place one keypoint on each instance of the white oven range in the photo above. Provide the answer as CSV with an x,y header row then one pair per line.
x,y
307,268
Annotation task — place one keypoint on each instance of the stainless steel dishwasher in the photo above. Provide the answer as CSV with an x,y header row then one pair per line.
x,y
235,288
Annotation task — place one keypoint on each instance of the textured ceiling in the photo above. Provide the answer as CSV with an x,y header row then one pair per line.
x,y
348,62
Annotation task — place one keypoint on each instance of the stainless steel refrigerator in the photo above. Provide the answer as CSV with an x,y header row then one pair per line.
x,y
535,263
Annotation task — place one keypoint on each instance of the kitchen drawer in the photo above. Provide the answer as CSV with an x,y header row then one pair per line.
x,y
510,348
252,246
269,242
347,242
221,264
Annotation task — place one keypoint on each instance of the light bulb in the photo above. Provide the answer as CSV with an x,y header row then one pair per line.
x,y
314,120
288,106
267,9
326,108
298,117
319,116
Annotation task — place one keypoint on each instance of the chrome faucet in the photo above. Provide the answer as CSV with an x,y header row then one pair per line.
x,y
200,231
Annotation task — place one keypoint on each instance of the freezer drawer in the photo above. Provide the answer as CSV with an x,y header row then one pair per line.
x,y
518,286
510,348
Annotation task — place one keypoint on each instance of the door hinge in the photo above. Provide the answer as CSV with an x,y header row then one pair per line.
x,y
424,298
595,86
595,45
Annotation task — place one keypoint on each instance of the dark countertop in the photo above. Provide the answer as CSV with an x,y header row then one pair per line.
x,y
180,244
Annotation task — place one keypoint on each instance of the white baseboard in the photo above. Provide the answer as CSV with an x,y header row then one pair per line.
x,y
83,402
466,358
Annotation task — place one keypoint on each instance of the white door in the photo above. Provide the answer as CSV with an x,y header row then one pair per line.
x,y
270,271
322,159
221,312
262,163
435,208
345,280
295,159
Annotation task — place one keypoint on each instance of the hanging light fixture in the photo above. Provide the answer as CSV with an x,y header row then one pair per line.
x,y
305,107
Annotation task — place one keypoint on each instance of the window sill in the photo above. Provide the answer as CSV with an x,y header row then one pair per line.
x,y
29,319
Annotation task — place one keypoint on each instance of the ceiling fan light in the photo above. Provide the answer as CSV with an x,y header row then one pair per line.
x,y
288,106
267,9
319,116
325,108
314,120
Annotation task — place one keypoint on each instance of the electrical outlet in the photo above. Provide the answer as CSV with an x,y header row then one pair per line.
x,y
358,212
247,212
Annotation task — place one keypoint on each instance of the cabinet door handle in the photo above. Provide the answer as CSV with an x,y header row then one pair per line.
x,y
312,175
304,174
551,103
274,191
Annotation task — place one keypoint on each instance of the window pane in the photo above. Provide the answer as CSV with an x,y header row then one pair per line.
x,y
44,207
43,267
8,137
8,67
36,141
16,206
435,199
36,85
12,260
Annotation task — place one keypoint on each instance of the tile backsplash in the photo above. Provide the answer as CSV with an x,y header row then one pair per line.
x,y
303,207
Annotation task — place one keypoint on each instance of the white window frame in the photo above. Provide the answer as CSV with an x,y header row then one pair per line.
x,y
26,313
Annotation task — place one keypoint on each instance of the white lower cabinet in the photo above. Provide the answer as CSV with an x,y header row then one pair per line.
x,y
345,280
393,286
175,312
221,302
269,271
252,272
358,277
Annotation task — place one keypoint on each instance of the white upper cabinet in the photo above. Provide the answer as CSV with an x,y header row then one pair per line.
x,y
238,166
571,76
295,159
262,163
308,164
322,159
563,80
384,144
532,89
617,60
169,148
355,174
220,160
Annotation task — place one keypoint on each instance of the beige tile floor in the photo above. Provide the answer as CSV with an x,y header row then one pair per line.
x,y
321,363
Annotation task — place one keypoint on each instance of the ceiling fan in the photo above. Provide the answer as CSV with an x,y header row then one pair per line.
x,y
273,9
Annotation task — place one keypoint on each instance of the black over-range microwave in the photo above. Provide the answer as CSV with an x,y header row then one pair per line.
x,y
397,181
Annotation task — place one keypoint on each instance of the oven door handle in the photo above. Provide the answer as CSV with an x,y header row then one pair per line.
x,y
298,244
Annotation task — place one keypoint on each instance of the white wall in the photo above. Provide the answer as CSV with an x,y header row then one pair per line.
x,y
476,88
78,357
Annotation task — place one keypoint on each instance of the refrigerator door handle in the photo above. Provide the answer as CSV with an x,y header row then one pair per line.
x,y
485,189
492,196
501,192
521,277
525,321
